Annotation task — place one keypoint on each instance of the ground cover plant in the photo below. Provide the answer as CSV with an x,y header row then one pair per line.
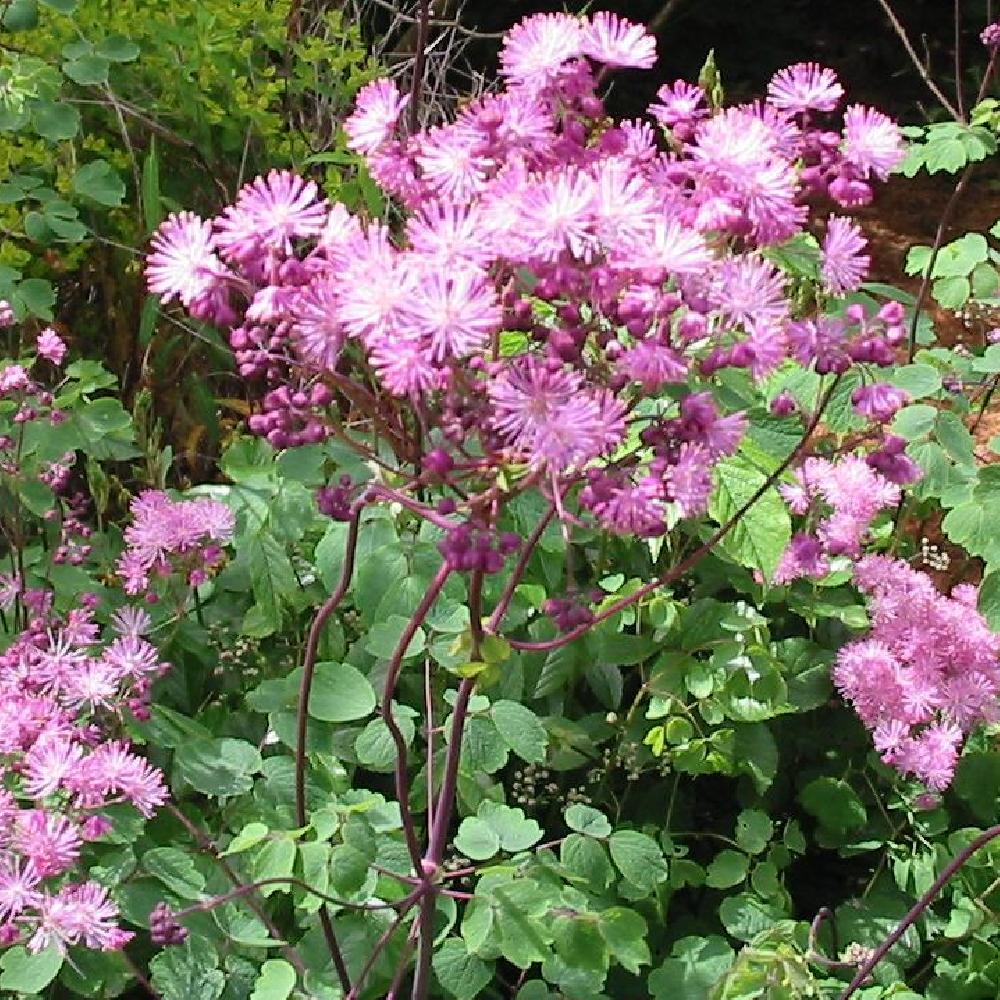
x,y
556,625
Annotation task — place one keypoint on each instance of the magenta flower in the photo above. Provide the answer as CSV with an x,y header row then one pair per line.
x,y
456,313
927,674
990,35
184,264
404,366
78,914
539,46
612,40
689,479
51,346
872,141
269,213
19,887
748,292
680,106
844,263
547,415
557,216
164,531
803,557
452,164
316,329
377,109
49,841
879,401
806,86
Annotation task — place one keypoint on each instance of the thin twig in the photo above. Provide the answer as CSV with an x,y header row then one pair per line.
x,y
391,680
959,98
419,62
918,909
915,59
206,844
302,721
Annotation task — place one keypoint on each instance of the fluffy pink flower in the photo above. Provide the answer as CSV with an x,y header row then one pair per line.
x,y
269,213
748,292
51,346
49,841
184,264
872,141
612,40
558,215
79,914
927,674
377,109
456,312
844,263
19,887
539,46
806,86
546,414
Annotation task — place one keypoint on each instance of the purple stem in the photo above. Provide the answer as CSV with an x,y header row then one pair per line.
x,y
527,552
419,61
917,910
405,906
302,721
695,557
391,680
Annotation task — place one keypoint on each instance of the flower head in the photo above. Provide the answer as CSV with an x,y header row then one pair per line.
x,y
844,263
806,86
612,40
872,141
535,49
377,109
184,264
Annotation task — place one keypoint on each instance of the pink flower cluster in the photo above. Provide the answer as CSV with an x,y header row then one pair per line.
x,y
553,270
841,499
927,673
166,536
63,689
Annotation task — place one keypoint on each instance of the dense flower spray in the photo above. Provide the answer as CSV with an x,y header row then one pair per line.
x,y
555,269
64,691
927,673
556,309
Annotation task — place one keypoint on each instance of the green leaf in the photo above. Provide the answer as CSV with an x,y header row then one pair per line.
x,y
914,422
624,932
514,830
521,730
952,293
918,380
834,803
958,258
375,746
188,972
587,820
98,181
176,870
340,693
763,533
462,975
638,858
218,767
55,122
587,859
275,982
754,830
727,868
118,48
276,859
695,966
38,297
250,836
383,637
87,70
476,839
989,599
745,916
63,6
24,972
21,15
